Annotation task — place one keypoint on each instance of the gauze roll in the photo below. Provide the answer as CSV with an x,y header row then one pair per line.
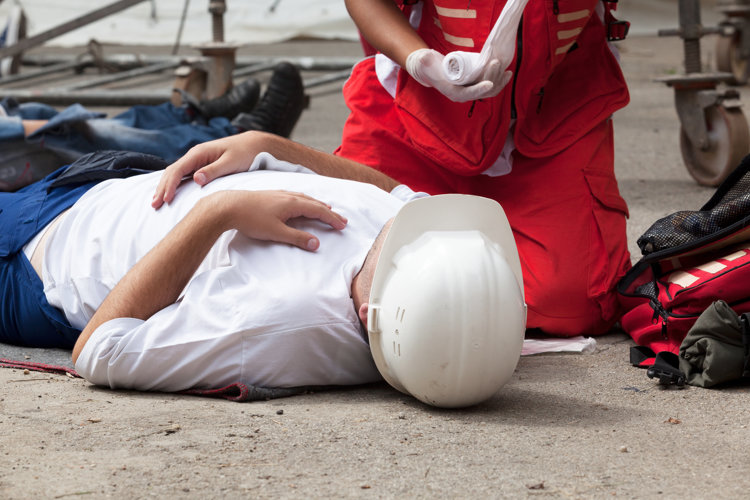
x,y
463,68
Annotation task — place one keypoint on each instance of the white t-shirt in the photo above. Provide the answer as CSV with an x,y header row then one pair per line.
x,y
260,313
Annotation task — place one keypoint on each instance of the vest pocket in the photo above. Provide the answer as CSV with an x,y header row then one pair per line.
x,y
465,138
582,86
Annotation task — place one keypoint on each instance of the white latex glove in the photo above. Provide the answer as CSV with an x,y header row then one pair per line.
x,y
426,67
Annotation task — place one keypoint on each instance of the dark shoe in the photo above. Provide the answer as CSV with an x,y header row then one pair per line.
x,y
281,104
241,98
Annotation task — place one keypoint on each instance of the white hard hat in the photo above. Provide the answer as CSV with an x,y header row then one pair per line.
x,y
446,316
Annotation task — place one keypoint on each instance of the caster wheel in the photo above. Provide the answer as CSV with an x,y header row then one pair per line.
x,y
728,59
728,143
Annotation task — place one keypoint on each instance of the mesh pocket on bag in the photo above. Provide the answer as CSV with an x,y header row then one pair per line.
x,y
728,206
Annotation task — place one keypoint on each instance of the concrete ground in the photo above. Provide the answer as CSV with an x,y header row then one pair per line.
x,y
567,425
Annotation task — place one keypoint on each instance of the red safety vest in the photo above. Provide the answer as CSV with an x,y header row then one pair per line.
x,y
566,81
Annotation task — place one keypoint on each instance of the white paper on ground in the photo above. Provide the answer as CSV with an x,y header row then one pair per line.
x,y
569,344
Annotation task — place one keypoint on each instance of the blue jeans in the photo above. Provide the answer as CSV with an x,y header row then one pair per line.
x,y
164,130
26,318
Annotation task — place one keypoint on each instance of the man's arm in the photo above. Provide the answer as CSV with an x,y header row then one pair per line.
x,y
157,280
385,27
236,153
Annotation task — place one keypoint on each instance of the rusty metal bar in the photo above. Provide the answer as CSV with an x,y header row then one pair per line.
x,y
71,25
217,9
304,62
124,75
44,71
252,69
89,97
122,98
329,78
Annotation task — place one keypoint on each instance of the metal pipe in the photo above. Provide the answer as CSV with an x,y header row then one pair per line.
x,y
690,25
322,63
183,17
124,75
217,8
45,70
74,24
90,97
122,97
126,61
252,69
705,30
332,77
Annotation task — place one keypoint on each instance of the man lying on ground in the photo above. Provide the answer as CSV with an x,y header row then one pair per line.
x,y
36,139
264,277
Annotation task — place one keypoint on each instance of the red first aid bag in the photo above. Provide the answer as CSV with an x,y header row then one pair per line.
x,y
690,259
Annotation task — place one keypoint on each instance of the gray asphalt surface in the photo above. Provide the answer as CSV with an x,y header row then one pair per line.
x,y
566,426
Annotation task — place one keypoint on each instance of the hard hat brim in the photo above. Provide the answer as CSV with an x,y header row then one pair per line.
x,y
440,213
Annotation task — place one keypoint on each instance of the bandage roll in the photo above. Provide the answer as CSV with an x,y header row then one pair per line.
x,y
462,68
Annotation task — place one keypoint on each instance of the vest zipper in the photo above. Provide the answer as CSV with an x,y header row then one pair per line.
x,y
541,97
519,54
555,7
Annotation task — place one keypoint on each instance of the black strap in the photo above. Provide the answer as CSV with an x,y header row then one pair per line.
x,y
666,368
745,321
639,354
666,365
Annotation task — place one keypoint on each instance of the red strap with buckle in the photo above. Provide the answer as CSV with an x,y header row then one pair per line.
x,y
616,29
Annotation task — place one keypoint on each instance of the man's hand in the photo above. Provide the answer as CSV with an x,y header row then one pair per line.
x,y
263,215
206,162
214,159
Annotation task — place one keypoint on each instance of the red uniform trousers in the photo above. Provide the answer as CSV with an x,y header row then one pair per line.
x,y
566,212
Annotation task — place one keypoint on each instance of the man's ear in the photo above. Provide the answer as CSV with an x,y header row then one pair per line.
x,y
363,313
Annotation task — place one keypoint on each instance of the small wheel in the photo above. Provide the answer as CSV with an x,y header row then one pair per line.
x,y
729,60
728,144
